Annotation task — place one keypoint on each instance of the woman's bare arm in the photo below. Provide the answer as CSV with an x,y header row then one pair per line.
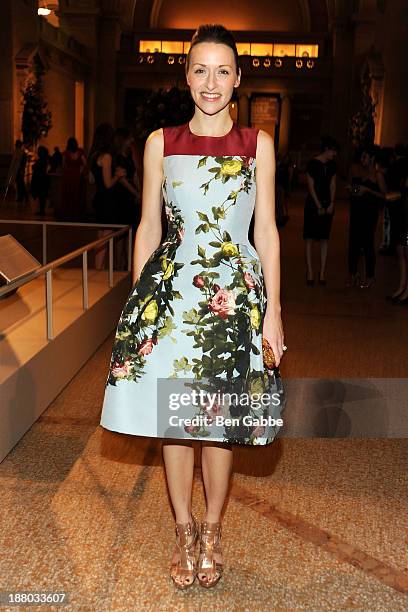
x,y
149,231
310,186
106,163
266,238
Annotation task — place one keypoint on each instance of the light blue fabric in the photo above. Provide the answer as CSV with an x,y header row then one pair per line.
x,y
207,199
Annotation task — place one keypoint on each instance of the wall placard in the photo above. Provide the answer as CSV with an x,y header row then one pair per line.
x,y
264,109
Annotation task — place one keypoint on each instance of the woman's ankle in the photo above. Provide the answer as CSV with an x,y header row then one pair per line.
x,y
184,517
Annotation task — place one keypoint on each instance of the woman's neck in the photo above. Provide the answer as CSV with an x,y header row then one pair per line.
x,y
211,125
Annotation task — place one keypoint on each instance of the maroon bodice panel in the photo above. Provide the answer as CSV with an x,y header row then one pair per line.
x,y
180,140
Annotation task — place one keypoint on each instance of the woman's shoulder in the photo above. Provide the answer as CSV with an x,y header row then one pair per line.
x,y
155,140
264,142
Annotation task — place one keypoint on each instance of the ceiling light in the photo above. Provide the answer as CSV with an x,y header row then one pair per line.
x,y
44,11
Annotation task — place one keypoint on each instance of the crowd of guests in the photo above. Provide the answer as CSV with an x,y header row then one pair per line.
x,y
377,188
109,170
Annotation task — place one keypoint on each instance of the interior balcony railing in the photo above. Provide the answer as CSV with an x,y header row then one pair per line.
x,y
47,268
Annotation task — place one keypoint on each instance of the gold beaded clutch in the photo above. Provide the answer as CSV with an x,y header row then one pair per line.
x,y
268,356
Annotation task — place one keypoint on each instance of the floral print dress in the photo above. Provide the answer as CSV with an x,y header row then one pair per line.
x,y
193,320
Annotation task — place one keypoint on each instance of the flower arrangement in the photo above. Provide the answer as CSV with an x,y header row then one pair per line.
x,y
36,121
163,108
361,125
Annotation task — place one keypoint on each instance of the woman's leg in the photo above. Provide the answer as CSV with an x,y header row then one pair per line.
x,y
216,462
404,272
402,265
309,258
101,252
323,257
179,466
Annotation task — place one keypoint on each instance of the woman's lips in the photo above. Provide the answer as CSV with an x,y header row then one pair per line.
x,y
211,97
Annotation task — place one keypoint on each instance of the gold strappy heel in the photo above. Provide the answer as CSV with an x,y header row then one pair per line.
x,y
210,543
185,566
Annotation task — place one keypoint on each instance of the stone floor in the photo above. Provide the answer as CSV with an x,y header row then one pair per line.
x,y
310,523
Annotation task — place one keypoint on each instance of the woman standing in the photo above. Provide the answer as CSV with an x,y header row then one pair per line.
x,y
125,192
73,166
101,166
197,308
319,205
400,296
367,192
40,180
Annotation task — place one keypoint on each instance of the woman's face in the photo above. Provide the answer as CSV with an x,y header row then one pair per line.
x,y
331,154
212,76
365,159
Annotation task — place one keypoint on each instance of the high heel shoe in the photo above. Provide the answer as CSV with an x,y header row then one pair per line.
x,y
183,569
395,297
367,284
322,281
210,544
402,302
309,281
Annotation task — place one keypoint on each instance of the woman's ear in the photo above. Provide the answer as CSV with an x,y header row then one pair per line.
x,y
238,79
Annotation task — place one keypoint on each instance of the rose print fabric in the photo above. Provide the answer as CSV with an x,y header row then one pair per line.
x,y
194,318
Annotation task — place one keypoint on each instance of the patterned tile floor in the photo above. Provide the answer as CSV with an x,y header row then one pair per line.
x,y
310,524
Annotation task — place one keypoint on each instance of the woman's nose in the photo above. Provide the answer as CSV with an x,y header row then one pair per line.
x,y
210,80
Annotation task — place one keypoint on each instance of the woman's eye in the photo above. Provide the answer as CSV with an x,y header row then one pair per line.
x,y
224,71
198,70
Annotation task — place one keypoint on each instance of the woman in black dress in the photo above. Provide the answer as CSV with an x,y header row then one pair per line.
x,y
319,205
101,165
125,191
367,192
40,180
400,296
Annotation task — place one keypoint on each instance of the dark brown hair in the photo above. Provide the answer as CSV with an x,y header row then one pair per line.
x,y
214,32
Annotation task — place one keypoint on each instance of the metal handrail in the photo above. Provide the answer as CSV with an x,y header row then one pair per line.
x,y
48,268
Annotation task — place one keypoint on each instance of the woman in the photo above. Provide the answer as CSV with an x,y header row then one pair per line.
x,y
367,192
73,166
101,166
125,190
319,205
197,305
400,296
40,180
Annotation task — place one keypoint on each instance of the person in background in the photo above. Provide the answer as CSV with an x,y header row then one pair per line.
x,y
125,191
21,163
40,181
387,247
400,296
74,165
56,160
284,176
105,177
367,191
319,206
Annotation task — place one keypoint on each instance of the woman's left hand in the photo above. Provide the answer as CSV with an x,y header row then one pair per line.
x,y
330,209
273,332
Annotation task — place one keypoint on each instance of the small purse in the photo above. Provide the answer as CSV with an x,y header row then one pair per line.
x,y
268,356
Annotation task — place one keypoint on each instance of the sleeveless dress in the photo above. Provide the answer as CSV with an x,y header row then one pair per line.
x,y
315,226
187,356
